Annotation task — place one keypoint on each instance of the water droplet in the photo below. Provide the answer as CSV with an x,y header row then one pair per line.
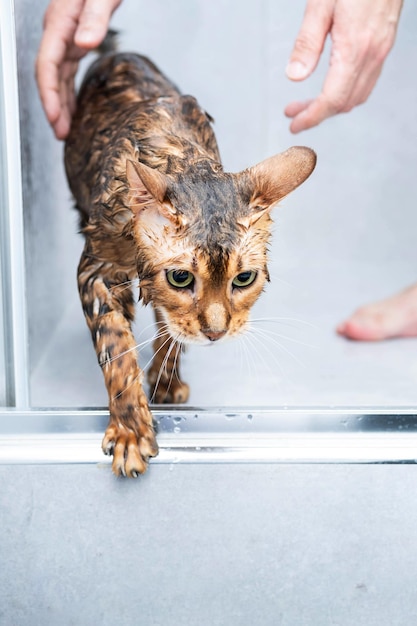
x,y
230,416
177,420
250,417
177,430
173,462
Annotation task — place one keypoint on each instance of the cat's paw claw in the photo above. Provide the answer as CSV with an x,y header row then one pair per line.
x,y
108,449
130,451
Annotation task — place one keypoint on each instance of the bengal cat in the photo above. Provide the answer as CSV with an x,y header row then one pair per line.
x,y
155,204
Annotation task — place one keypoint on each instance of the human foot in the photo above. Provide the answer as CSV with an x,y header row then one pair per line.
x,y
393,317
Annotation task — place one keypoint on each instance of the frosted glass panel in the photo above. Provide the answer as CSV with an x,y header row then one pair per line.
x,y
346,237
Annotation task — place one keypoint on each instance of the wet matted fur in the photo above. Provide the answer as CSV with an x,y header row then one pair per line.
x,y
155,204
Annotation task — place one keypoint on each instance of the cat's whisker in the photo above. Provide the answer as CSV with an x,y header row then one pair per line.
x,y
136,347
132,382
163,366
252,338
122,354
174,367
246,349
177,345
139,375
162,327
243,353
161,333
180,347
168,338
151,325
283,320
273,333
270,360
125,285
275,277
142,369
279,345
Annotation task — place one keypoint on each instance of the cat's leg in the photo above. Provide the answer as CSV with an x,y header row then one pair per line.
x,y
109,309
163,375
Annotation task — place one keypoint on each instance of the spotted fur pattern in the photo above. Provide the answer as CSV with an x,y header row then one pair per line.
x,y
143,165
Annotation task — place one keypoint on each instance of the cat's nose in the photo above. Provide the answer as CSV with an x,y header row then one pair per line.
x,y
214,335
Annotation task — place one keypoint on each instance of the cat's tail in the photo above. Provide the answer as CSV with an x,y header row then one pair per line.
x,y
109,43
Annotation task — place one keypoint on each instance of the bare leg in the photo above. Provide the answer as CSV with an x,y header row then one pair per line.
x,y
393,317
164,373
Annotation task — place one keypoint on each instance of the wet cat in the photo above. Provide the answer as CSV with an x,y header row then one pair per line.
x,y
144,168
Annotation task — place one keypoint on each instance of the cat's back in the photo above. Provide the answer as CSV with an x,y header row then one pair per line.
x,y
126,106
116,84
118,78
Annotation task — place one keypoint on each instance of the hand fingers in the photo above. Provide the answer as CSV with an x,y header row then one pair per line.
x,y
345,87
94,21
64,21
55,78
62,124
362,35
363,88
310,39
334,98
51,53
294,108
60,23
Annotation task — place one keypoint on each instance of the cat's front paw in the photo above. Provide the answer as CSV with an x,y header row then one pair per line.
x,y
169,392
130,450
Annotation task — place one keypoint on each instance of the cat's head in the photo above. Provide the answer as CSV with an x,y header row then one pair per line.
x,y
202,240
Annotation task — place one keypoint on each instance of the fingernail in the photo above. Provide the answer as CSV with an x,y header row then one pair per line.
x,y
296,70
86,35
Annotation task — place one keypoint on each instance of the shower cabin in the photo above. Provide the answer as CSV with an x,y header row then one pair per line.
x,y
283,493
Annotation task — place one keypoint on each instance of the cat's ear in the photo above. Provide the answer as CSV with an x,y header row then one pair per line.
x,y
148,188
274,178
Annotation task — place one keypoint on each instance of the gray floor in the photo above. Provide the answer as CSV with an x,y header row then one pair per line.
x,y
269,545
345,238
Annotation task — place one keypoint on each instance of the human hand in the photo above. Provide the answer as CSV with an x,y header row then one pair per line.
x,y
362,32
71,29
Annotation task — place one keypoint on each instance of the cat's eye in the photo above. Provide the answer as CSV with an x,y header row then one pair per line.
x,y
181,279
244,279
